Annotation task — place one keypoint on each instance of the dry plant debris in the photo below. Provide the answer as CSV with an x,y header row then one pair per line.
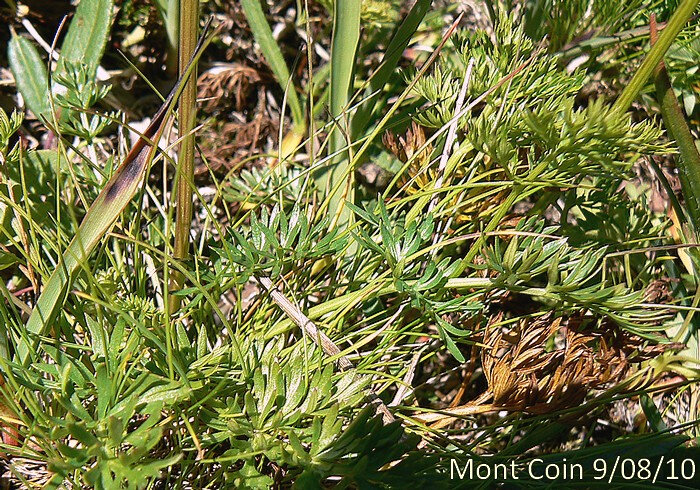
x,y
549,364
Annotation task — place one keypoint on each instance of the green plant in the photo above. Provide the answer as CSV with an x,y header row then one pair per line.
x,y
171,11
689,164
187,112
515,290
84,44
111,201
263,35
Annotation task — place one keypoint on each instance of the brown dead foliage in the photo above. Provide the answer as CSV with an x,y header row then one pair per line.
x,y
227,87
405,147
542,365
229,143
238,91
659,291
547,364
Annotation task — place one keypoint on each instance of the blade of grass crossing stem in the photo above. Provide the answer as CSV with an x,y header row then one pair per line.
x,y
344,45
87,35
390,61
111,201
600,42
187,112
677,127
270,49
673,27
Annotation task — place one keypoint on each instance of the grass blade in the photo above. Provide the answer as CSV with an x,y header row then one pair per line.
x,y
263,36
673,27
390,61
689,162
346,38
111,201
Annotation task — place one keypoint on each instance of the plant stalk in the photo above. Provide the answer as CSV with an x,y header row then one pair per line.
x,y
187,111
656,54
689,162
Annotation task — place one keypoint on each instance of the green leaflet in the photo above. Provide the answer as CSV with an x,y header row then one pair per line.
x,y
30,75
87,34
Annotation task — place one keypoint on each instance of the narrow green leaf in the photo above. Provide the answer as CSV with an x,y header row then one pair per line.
x,y
452,347
87,34
97,339
263,36
169,393
115,341
169,11
346,38
104,390
689,162
111,201
390,61
7,259
652,413
656,54
30,75
202,345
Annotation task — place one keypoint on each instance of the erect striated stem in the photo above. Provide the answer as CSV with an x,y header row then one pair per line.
x,y
689,162
187,111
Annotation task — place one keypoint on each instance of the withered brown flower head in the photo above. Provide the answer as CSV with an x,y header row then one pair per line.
x,y
547,364
230,83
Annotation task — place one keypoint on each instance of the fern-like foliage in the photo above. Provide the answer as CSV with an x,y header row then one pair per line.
x,y
554,272
255,185
293,412
541,80
276,242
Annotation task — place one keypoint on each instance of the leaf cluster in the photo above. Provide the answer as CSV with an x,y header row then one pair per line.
x,y
276,243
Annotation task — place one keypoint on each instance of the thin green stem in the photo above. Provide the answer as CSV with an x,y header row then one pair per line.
x,y
187,111
689,162
656,54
